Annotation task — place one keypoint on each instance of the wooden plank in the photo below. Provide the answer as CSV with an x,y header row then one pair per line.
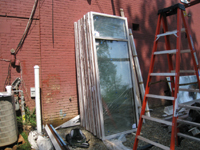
x,y
85,75
98,102
122,12
78,67
82,72
188,137
89,98
72,122
153,143
76,31
136,96
87,102
138,71
160,97
54,140
89,62
64,145
93,86
157,120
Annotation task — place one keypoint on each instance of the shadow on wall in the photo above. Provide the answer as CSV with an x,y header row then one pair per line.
x,y
144,38
89,2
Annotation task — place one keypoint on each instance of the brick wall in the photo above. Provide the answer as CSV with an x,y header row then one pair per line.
x,y
50,44
11,30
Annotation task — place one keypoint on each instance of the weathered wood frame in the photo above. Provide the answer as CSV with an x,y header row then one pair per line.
x,y
91,108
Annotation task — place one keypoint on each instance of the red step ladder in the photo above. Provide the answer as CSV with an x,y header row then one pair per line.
x,y
173,71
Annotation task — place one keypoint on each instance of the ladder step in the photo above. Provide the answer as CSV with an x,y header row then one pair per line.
x,y
153,143
160,97
188,137
173,51
184,71
189,107
169,33
188,122
185,51
162,74
191,102
189,90
157,120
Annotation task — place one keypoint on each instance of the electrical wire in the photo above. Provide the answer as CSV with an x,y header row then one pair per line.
x,y
8,78
27,28
6,60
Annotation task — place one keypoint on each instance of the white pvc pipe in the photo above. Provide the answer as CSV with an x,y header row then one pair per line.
x,y
37,99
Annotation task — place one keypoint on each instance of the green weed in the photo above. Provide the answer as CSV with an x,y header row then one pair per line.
x,y
29,120
26,145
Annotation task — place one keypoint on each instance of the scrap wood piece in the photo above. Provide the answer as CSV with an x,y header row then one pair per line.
x,y
72,122
21,139
138,71
195,131
55,138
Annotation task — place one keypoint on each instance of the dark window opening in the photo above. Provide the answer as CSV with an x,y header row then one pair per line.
x,y
135,26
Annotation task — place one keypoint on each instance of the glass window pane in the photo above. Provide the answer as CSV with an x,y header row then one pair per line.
x,y
109,27
116,86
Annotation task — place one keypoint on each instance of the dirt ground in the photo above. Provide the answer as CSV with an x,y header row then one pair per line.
x,y
151,130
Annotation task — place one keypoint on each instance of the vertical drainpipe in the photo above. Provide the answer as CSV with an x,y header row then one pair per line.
x,y
37,99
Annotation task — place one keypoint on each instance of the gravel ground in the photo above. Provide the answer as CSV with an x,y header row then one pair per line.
x,y
151,130
156,132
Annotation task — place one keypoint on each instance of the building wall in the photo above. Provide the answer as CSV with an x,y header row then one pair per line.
x,y
50,44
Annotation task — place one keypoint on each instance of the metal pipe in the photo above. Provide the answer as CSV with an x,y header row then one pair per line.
x,y
22,105
37,99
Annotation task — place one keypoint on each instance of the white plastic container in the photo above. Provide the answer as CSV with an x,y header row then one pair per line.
x,y
9,89
8,122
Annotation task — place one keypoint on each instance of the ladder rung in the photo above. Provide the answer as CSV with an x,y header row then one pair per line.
x,y
189,90
157,120
188,136
188,122
189,107
185,51
153,143
184,71
160,97
173,51
191,102
169,33
162,74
